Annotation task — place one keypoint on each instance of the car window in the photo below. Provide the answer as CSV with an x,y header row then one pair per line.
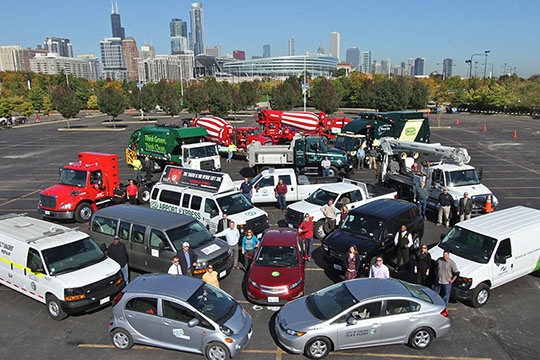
x,y
196,203
505,249
177,312
356,195
267,181
185,200
142,305
169,197
156,238
413,214
123,230
137,234
402,218
210,206
155,193
286,179
400,306
95,177
34,259
344,199
362,312
104,226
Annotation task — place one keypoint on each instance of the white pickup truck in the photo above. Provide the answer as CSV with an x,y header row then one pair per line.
x,y
299,187
349,192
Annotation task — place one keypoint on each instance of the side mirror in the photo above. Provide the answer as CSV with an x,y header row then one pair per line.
x,y
351,321
164,247
480,173
499,259
103,247
193,322
35,268
213,213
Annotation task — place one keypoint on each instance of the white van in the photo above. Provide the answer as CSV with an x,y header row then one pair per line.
x,y
492,250
206,196
55,265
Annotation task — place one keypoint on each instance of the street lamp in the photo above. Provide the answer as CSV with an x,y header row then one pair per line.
x,y
486,52
491,72
470,65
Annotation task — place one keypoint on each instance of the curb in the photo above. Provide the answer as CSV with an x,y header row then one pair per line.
x,y
106,122
44,123
92,129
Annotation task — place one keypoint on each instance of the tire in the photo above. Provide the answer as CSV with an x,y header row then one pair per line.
x,y
216,351
480,295
83,212
319,230
334,171
421,338
54,308
144,195
317,348
121,339
185,124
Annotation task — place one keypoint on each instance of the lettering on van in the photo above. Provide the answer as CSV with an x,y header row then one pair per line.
x,y
176,209
527,253
155,143
6,249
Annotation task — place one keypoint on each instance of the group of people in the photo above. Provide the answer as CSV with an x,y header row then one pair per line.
x,y
464,209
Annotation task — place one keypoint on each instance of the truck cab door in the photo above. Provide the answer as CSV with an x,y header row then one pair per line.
x,y
437,184
291,189
300,152
185,158
503,264
97,188
313,152
263,190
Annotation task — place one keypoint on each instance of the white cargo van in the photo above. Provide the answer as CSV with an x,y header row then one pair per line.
x,y
55,265
206,196
492,250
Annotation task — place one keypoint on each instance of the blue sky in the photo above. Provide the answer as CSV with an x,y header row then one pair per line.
x,y
391,29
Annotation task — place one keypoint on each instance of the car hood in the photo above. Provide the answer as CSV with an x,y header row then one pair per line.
x,y
295,315
238,321
89,275
241,217
274,276
211,250
259,138
336,151
341,241
473,190
306,207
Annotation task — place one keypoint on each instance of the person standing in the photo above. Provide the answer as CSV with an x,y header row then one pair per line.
x,y
247,189
403,241
379,270
37,118
423,262
223,223
360,157
119,195
230,152
137,167
465,207
330,212
352,263
445,204
188,259
373,158
325,165
232,235
305,231
344,213
175,268
132,193
420,197
249,245
447,273
210,276
117,251
148,167
281,193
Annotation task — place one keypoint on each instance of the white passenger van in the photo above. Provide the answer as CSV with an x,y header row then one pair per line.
x,y
492,250
206,196
55,265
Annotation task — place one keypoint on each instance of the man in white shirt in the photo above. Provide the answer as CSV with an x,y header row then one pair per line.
x,y
403,241
175,268
325,164
232,235
379,270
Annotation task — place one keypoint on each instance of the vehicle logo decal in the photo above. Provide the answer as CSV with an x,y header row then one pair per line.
x,y
275,273
410,131
179,333
250,213
372,331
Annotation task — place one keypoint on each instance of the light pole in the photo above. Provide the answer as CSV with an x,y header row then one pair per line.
x,y
304,85
486,52
470,66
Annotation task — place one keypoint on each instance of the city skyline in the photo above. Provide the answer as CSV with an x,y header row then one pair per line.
x,y
463,35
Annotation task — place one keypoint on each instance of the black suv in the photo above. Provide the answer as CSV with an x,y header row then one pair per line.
x,y
372,228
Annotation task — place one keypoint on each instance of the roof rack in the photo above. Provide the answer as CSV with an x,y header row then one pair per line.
x,y
53,230
11,215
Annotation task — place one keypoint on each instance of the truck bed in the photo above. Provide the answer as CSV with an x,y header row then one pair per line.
x,y
307,180
378,191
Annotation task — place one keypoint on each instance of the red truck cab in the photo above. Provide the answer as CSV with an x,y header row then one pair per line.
x,y
84,186
247,135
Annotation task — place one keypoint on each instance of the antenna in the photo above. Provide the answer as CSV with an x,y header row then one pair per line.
x,y
117,7
112,7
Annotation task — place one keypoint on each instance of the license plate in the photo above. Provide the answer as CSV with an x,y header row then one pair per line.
x,y
223,273
273,299
290,225
337,267
104,300
47,212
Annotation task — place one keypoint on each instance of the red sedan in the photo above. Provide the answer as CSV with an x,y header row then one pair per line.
x,y
277,274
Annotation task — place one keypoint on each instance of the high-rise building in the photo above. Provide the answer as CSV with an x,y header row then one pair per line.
x,y
130,55
117,30
59,46
403,64
10,58
352,56
410,67
179,42
419,66
396,70
169,67
366,62
53,64
94,66
385,66
111,58
214,51
291,47
320,50
147,52
266,51
178,27
447,68
239,55
376,68
196,36
334,44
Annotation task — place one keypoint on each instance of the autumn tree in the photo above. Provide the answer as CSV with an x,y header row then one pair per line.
x,y
324,96
66,102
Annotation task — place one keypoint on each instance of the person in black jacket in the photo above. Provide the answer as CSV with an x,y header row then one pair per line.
x,y
423,263
188,259
352,263
445,202
223,223
117,251
465,207
148,167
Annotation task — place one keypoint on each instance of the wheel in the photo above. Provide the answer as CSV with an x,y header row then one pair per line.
x,y
216,351
317,348
421,338
319,230
144,195
121,339
185,124
54,308
416,242
83,212
480,296
334,171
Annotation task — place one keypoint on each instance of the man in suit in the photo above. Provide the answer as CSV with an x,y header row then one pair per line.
x,y
465,207
188,259
223,223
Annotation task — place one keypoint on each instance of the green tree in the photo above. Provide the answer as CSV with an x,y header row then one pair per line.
x,y
26,109
324,96
238,100
92,102
47,105
419,95
343,88
146,99
284,97
66,102
111,101
250,90
219,98
6,109
170,100
195,98
389,96
36,95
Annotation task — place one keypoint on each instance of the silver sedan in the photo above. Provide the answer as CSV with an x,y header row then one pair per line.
x,y
359,313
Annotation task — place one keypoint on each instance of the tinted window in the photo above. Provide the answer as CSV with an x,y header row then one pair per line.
x,y
176,312
267,181
155,193
156,238
34,259
170,197
194,233
143,305
104,226
403,218
196,203
356,195
394,307
286,179
123,230
505,250
185,200
137,234
210,205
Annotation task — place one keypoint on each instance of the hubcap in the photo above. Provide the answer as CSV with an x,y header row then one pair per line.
x,y
318,348
120,340
145,196
422,338
482,296
54,309
216,353
320,231
86,213
416,243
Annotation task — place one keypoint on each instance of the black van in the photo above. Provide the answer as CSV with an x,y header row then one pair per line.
x,y
372,228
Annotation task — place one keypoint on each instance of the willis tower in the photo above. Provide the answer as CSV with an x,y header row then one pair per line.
x,y
117,29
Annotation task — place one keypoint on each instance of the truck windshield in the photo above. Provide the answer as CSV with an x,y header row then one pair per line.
x,y
346,143
214,303
234,203
202,152
468,245
361,225
73,256
194,233
73,177
253,132
461,177
320,197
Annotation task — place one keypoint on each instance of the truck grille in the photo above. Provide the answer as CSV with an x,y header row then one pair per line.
x,y
207,165
257,225
220,262
293,217
48,202
93,290
479,201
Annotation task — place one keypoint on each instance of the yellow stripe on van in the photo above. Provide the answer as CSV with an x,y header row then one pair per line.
x,y
20,266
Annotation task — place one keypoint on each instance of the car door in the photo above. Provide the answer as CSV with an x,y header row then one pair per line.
x,y
138,247
264,190
291,189
161,251
400,318
141,312
360,326
175,330
503,264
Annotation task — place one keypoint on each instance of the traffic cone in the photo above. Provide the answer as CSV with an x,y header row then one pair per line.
x,y
485,128
457,121
488,208
515,134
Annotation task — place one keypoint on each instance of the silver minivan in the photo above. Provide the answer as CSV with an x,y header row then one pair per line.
x,y
179,313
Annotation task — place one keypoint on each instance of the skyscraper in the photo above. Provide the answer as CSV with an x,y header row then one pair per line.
x,y
111,58
410,67
130,55
385,66
179,42
419,66
366,62
147,52
447,68
59,46
94,66
291,47
320,50
266,51
334,44
196,36
353,56
239,55
117,29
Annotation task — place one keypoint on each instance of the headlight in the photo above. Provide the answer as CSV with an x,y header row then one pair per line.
x,y
325,247
293,285
225,330
254,283
201,265
66,206
464,283
294,332
72,294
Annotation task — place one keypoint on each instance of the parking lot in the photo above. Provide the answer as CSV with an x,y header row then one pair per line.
x,y
506,328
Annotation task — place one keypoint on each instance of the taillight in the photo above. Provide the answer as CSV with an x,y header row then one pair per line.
x,y
118,297
395,196
444,312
